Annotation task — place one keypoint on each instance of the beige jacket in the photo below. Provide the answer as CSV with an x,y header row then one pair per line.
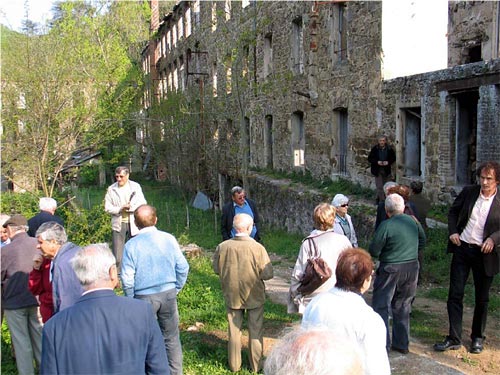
x,y
242,265
113,205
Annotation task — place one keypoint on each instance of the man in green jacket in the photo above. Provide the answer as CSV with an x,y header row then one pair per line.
x,y
396,244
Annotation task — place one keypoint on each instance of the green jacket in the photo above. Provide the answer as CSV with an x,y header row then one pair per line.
x,y
398,240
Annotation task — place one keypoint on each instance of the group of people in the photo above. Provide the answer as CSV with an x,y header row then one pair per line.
x,y
474,241
59,298
74,286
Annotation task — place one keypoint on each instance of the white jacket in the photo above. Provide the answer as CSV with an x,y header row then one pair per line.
x,y
113,205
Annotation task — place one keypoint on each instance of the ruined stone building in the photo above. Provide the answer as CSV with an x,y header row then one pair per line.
x,y
239,86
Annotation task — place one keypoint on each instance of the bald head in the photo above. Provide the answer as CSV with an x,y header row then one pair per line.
x,y
145,216
243,223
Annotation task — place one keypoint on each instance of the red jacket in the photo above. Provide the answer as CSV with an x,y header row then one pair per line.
x,y
40,285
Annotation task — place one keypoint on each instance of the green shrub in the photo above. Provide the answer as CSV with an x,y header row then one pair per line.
x,y
25,204
88,175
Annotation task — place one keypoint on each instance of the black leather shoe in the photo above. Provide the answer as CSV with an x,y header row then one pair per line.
x,y
402,351
447,344
476,346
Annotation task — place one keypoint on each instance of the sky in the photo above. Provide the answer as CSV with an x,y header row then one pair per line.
x,y
13,12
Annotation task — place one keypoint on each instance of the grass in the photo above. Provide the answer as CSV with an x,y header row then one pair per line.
x,y
201,306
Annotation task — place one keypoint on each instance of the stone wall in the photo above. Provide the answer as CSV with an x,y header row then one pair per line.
x,y
289,206
434,93
473,24
225,146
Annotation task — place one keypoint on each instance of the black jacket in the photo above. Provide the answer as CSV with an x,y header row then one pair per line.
x,y
373,159
228,216
458,217
40,218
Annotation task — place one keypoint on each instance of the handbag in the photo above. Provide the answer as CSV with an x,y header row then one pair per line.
x,y
317,271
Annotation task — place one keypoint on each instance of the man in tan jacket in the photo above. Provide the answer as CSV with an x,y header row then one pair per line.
x,y
242,265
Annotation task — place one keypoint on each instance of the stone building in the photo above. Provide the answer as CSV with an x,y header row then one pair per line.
x,y
239,86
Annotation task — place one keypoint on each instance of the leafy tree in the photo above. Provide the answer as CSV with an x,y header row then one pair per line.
x,y
69,88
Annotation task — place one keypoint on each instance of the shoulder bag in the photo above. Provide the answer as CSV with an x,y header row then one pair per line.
x,y
317,271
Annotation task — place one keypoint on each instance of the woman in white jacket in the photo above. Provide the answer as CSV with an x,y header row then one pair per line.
x,y
329,246
343,223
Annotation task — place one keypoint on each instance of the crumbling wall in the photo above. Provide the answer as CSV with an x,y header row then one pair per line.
x,y
472,24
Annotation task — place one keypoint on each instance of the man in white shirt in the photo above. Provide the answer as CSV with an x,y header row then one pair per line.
x,y
474,229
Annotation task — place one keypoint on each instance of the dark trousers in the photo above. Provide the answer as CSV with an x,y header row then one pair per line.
x,y
465,258
394,289
119,239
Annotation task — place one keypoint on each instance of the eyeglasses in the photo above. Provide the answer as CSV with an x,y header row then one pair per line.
x,y
119,176
344,205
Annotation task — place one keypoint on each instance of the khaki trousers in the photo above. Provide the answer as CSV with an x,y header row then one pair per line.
x,y
255,322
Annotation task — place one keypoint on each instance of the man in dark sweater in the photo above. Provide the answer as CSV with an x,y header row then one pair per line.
x,y
48,208
396,244
21,307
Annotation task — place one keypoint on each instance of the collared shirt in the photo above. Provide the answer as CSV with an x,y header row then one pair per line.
x,y
95,290
474,230
245,209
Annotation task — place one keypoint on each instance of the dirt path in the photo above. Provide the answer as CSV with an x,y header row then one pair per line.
x,y
422,359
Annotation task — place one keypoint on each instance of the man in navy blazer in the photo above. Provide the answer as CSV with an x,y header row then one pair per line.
x,y
102,333
474,229
239,204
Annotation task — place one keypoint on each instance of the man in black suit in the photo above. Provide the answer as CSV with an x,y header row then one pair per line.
x,y
239,204
474,229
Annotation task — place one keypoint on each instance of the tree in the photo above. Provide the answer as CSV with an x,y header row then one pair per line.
x,y
69,88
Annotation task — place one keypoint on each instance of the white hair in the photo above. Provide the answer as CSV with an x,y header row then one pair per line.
x,y
394,204
388,185
92,263
47,204
52,231
314,351
242,221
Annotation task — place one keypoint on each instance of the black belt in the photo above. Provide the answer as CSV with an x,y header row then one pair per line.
x,y
470,245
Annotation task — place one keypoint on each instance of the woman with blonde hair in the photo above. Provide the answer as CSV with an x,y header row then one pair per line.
x,y
322,242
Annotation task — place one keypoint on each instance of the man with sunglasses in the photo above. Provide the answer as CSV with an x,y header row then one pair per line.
x,y
239,204
122,198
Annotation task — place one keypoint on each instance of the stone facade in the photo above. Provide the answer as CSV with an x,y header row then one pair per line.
x,y
297,87
473,31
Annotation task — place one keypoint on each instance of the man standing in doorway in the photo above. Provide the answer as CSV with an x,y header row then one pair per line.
x,y
381,158
155,270
239,204
122,198
474,229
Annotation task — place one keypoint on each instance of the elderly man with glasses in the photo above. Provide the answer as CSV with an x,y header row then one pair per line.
x,y
122,198
239,204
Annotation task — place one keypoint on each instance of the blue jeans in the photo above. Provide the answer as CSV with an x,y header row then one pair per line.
x,y
467,258
393,290
165,310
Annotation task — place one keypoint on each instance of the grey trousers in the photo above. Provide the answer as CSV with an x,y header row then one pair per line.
x,y
165,311
119,239
25,327
394,288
